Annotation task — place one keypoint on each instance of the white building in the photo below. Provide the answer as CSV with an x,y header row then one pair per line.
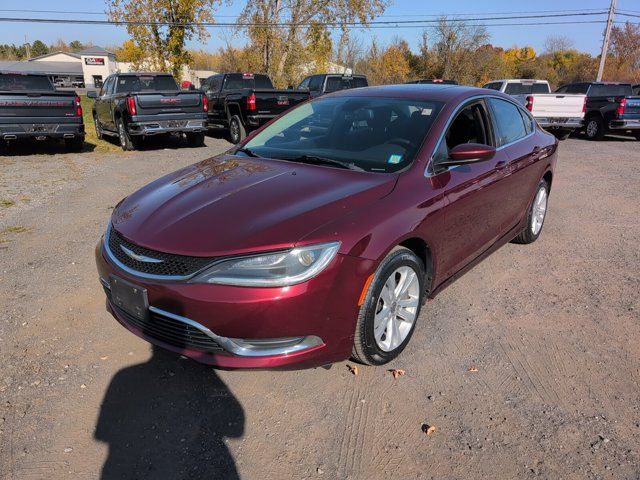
x,y
86,69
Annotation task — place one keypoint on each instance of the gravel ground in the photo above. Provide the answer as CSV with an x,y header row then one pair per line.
x,y
528,366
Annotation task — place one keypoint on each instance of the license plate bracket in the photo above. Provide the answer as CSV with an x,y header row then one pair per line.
x,y
129,297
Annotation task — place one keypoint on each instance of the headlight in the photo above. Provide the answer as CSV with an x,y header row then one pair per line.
x,y
279,269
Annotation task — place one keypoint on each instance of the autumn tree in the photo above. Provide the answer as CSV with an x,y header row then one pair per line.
x,y
160,28
286,33
624,62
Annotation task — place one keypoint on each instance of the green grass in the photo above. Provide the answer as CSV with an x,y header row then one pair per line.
x,y
6,203
101,146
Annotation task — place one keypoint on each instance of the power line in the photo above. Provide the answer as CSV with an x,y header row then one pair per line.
x,y
373,24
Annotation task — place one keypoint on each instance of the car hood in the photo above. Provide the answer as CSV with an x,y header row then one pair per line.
x,y
229,205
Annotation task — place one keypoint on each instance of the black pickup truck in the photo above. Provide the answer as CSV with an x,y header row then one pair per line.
x,y
322,83
240,102
31,108
132,106
609,108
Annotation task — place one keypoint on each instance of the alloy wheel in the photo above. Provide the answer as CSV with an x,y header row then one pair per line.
x,y
235,131
123,140
396,309
539,210
592,128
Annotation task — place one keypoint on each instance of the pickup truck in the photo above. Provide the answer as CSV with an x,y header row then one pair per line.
x,y
558,113
609,107
31,108
241,102
133,106
433,81
331,82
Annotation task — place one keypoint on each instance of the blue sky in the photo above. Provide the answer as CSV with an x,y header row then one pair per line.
x,y
586,37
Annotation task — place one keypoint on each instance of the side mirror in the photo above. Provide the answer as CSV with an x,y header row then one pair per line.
x,y
468,153
92,94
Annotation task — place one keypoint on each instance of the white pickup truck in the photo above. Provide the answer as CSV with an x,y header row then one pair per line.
x,y
558,113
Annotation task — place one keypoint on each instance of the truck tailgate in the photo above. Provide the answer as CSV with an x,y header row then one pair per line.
x,y
556,105
153,103
36,107
278,101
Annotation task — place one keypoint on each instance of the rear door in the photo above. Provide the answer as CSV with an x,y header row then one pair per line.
x,y
474,193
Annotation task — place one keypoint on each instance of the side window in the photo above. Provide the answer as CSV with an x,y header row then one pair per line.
x,y
578,88
315,84
529,122
304,84
471,125
509,123
493,85
214,84
105,87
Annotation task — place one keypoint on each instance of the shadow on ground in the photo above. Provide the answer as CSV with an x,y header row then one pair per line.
x,y
168,419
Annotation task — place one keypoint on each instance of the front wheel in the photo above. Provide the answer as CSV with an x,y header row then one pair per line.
x,y
391,307
536,215
237,132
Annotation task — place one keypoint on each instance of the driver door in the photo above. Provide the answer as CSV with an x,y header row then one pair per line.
x,y
474,193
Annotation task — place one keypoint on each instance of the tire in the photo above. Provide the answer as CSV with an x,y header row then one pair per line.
x,y
535,216
594,128
74,144
126,142
562,134
195,139
237,132
99,133
372,345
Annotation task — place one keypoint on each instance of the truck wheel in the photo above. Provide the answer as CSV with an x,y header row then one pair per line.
x,y
74,144
237,132
562,134
594,128
195,139
125,140
98,129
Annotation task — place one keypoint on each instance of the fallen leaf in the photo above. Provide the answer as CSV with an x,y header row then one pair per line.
x,y
428,429
396,372
473,369
104,357
353,369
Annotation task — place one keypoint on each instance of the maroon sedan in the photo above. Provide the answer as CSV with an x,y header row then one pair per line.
x,y
322,235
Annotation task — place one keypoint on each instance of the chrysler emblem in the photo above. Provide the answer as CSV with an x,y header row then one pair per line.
x,y
139,258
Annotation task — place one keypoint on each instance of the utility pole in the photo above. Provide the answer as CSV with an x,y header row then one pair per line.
x,y
605,41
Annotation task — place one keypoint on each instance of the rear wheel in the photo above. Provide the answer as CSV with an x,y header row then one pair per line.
x,y
126,142
391,307
74,144
237,132
594,128
195,139
536,215
99,133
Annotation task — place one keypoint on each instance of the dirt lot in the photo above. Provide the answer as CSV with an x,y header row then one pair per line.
x,y
552,329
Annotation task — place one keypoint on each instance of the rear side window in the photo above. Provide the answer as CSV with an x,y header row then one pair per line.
x,y
600,90
359,82
17,82
509,122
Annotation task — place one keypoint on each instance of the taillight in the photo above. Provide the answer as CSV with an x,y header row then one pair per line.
x,y
251,102
205,103
131,105
529,105
78,106
584,105
621,107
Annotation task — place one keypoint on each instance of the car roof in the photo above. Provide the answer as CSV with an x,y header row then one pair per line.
x,y
418,91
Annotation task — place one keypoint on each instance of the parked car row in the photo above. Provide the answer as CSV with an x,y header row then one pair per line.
x,y
597,108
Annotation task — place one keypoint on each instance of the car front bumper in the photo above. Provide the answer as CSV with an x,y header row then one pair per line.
x,y
300,326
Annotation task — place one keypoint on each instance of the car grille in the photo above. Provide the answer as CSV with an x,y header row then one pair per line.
x,y
169,331
170,265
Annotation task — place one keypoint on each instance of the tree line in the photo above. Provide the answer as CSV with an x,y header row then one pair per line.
x,y
38,48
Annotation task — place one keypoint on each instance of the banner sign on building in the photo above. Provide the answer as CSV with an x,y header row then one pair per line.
x,y
94,60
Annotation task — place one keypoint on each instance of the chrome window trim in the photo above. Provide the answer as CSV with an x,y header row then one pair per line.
x,y
429,174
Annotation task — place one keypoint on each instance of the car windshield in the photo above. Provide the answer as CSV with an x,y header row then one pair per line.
x,y
18,82
151,83
364,133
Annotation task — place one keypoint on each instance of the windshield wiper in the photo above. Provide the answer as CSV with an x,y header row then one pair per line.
x,y
248,152
315,160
